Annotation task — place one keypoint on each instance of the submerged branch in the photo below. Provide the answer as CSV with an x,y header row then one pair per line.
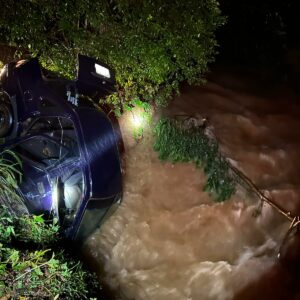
x,y
189,122
261,195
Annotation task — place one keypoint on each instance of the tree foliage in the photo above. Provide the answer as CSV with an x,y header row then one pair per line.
x,y
152,45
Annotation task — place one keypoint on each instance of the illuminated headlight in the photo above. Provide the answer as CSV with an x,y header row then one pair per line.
x,y
100,70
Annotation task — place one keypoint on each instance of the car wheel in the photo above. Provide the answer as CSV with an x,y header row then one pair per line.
x,y
6,115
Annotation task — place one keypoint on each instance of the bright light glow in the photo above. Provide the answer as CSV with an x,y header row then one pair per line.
x,y
2,71
137,119
102,71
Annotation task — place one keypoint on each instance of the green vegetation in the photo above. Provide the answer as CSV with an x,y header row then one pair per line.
x,y
9,165
177,143
33,263
152,45
30,267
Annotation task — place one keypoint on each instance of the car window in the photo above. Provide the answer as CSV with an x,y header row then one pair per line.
x,y
41,150
51,124
52,140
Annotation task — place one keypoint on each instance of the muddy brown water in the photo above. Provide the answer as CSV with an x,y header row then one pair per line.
x,y
168,240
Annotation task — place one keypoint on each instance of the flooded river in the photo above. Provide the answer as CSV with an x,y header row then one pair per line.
x,y
169,241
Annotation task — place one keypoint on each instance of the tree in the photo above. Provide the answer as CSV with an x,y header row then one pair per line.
x,y
152,45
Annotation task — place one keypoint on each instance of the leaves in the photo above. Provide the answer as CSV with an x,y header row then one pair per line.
x,y
151,45
28,267
175,143
10,174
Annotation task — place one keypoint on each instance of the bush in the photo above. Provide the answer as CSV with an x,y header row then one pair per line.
x,y
176,143
29,267
10,166
152,45
9,169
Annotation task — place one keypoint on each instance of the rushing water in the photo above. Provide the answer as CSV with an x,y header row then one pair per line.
x,y
169,240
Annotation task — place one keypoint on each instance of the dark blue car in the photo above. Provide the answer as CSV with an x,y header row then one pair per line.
x,y
68,146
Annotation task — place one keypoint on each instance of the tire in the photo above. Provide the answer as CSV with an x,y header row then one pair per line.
x,y
6,115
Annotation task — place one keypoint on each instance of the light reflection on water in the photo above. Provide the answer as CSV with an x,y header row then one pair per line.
x,y
168,240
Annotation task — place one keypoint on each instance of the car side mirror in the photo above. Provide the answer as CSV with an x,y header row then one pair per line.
x,y
94,78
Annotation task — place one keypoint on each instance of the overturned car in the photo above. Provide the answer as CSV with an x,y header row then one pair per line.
x,y
69,148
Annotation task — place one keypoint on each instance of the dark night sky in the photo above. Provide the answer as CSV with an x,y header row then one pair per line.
x,y
260,31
